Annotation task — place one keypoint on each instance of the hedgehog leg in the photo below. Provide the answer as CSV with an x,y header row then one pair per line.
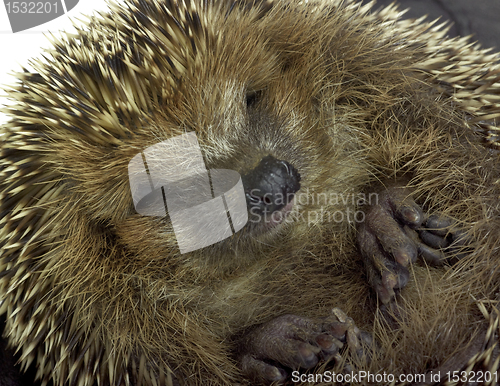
x,y
395,232
288,342
385,245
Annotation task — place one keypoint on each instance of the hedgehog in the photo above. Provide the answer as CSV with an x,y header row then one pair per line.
x,y
364,148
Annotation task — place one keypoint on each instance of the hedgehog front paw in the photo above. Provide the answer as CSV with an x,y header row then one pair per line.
x,y
395,232
385,244
292,342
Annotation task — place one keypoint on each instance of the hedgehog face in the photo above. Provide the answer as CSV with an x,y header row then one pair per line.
x,y
260,130
256,134
246,100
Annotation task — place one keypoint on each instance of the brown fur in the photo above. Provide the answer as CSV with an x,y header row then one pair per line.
x,y
94,291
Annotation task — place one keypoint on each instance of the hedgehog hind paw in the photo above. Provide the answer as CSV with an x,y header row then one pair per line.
x,y
291,342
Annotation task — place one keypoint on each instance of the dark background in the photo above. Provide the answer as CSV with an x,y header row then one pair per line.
x,y
480,18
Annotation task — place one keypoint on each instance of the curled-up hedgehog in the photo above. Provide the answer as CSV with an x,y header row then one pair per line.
x,y
365,150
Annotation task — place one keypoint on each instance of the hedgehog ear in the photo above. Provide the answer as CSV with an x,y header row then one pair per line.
x,y
262,6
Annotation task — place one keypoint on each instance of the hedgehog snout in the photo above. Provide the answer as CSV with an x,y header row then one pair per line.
x,y
271,185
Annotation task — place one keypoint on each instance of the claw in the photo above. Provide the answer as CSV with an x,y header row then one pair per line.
x,y
341,316
411,215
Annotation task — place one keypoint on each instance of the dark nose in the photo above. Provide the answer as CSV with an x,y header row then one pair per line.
x,y
270,185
